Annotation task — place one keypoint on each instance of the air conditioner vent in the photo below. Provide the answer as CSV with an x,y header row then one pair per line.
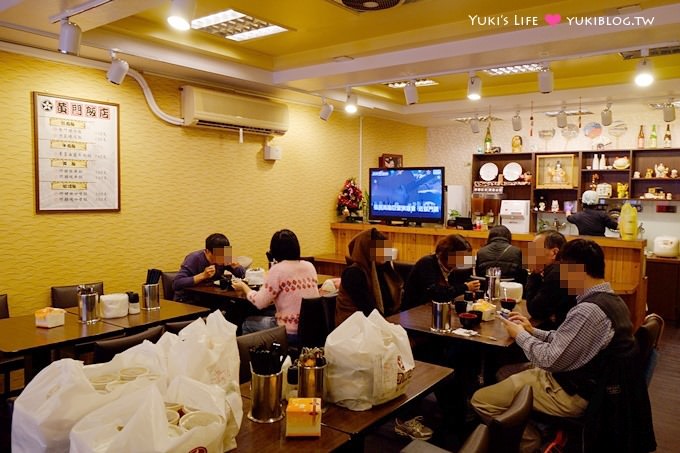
x,y
653,52
364,6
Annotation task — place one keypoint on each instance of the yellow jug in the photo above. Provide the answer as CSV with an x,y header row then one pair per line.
x,y
628,225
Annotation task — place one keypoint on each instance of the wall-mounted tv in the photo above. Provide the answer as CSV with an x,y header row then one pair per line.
x,y
412,194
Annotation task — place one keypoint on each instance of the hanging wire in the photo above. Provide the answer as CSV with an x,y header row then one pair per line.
x,y
531,120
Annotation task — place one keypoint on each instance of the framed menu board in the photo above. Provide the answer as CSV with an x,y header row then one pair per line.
x,y
77,162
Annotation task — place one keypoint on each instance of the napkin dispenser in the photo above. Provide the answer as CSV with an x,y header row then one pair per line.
x,y
49,317
113,305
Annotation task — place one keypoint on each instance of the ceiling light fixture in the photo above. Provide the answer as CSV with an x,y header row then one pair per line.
x,y
474,91
326,110
669,111
546,81
181,13
69,37
517,122
516,69
235,25
418,83
643,74
606,115
562,118
118,69
411,93
351,103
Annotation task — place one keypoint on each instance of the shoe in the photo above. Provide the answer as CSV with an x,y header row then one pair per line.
x,y
413,428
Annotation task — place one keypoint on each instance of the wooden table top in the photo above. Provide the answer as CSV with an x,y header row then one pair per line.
x,y
419,319
425,376
169,311
20,335
271,437
215,290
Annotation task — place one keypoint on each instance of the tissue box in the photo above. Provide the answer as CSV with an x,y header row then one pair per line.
x,y
49,317
113,305
303,417
488,310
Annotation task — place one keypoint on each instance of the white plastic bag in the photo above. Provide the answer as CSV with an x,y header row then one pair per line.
x,y
370,362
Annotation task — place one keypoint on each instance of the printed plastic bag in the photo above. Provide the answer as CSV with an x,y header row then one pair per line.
x,y
370,362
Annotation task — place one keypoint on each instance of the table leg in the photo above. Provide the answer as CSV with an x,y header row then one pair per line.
x,y
34,362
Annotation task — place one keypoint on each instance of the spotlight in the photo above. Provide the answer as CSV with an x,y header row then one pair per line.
x,y
606,115
546,81
411,93
562,118
326,110
69,38
474,92
669,111
517,122
118,70
474,125
181,13
351,103
643,74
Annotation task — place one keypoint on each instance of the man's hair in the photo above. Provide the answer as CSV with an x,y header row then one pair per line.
x,y
451,244
284,246
553,239
500,231
585,252
216,240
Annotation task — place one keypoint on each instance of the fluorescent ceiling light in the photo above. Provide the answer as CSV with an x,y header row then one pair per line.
x,y
516,69
418,83
569,112
236,26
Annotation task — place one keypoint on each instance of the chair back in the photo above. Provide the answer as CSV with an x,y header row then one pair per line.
x,y
105,350
647,337
317,320
67,296
478,441
403,269
167,279
328,303
4,307
177,326
505,430
308,258
251,340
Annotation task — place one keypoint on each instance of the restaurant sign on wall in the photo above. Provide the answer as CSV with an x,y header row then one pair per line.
x,y
77,165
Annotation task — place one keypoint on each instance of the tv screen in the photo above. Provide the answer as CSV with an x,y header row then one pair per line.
x,y
414,194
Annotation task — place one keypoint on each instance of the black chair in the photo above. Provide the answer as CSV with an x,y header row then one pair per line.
x,y
317,320
478,441
310,259
8,364
177,326
105,350
167,278
506,429
647,337
263,337
66,296
403,269
328,303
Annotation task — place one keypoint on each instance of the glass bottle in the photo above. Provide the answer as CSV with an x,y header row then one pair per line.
x,y
652,137
487,139
596,163
667,141
641,138
603,162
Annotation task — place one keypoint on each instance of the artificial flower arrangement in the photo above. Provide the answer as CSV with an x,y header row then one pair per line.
x,y
351,198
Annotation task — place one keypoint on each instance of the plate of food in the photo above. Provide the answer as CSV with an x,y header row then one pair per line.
x,y
488,172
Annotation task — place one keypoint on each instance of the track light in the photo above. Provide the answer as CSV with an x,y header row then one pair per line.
x,y
118,69
69,38
562,118
326,110
351,103
181,13
546,81
474,125
411,93
643,74
669,111
474,92
517,122
606,115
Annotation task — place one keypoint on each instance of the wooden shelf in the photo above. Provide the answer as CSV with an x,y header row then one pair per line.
x,y
613,170
655,179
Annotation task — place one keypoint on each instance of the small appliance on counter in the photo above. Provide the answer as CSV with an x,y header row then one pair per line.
x,y
515,215
666,246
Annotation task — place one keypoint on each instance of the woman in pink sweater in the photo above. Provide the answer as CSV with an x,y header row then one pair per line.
x,y
287,282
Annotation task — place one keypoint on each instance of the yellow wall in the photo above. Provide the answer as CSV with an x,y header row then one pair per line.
x,y
177,185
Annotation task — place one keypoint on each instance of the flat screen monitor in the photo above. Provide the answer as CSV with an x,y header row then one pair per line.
x,y
413,194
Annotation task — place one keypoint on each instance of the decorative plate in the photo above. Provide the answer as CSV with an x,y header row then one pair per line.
x,y
489,171
512,171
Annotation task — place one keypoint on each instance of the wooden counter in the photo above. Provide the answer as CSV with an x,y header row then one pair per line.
x,y
625,260
663,291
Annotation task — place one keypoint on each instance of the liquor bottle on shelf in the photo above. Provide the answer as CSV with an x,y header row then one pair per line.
x,y
596,163
487,139
641,138
603,162
652,137
667,141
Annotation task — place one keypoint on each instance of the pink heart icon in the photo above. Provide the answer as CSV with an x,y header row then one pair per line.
x,y
552,19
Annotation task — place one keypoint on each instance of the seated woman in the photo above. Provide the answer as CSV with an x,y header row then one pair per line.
x,y
499,252
369,281
287,282
451,254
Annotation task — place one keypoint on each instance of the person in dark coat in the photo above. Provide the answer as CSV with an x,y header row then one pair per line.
x,y
590,221
499,252
446,266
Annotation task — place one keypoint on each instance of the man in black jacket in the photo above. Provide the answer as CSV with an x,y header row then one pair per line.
x,y
547,302
499,252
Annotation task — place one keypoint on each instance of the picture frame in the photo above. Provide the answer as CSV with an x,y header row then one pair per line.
x,y
555,171
76,154
391,161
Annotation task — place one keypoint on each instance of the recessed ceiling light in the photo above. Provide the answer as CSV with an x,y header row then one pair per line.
x,y
370,4
419,83
234,25
516,69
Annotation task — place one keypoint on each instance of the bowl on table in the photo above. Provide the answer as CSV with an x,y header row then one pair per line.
x,y
467,320
508,304
478,316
